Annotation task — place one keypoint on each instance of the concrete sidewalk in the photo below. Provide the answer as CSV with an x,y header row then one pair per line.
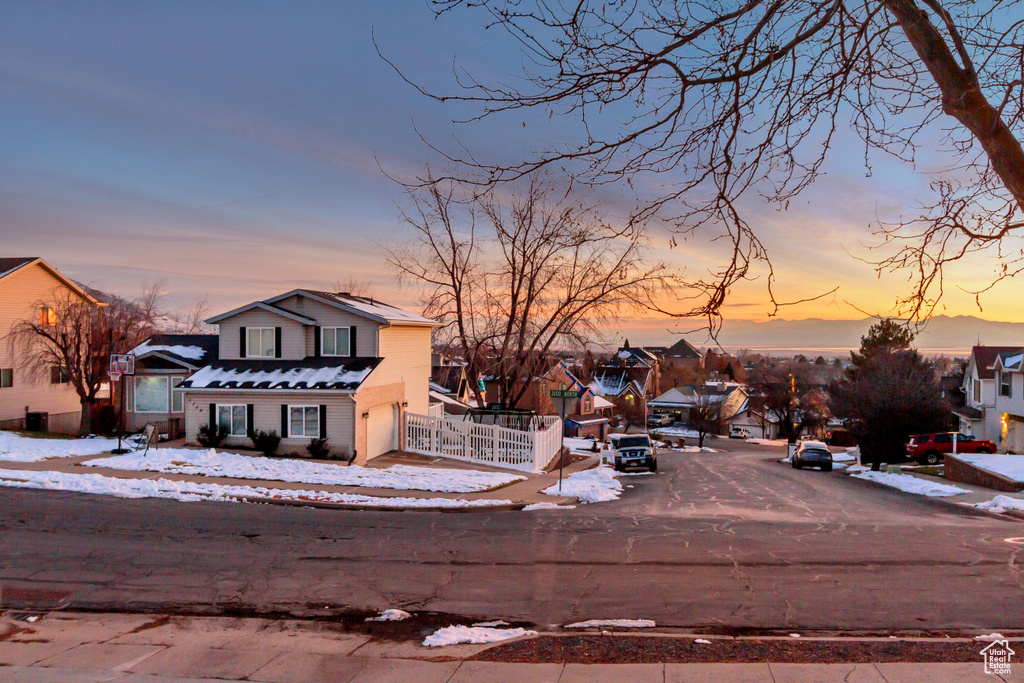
x,y
153,648
521,493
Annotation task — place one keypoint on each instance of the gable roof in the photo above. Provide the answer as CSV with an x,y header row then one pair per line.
x,y
984,357
367,307
1010,360
611,380
636,355
11,265
262,305
189,350
682,349
327,373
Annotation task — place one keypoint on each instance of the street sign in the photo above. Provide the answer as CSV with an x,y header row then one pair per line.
x,y
564,393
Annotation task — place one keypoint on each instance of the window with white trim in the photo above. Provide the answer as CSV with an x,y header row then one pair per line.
x,y
304,421
259,342
234,418
150,394
6,378
977,391
177,395
334,341
1004,385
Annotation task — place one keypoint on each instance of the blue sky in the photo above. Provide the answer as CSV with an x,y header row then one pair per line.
x,y
232,149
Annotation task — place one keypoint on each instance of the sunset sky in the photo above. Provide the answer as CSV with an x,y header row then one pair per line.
x,y
231,149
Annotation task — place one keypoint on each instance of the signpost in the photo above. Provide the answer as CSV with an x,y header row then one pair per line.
x,y
121,364
563,394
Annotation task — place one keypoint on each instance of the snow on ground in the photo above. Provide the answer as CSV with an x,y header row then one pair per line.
x,y
17,448
678,431
700,449
1001,504
596,485
548,506
614,623
188,491
768,442
212,463
390,615
576,445
492,624
1009,466
910,484
454,635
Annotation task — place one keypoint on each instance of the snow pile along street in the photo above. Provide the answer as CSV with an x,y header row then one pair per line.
x,y
390,615
16,448
1009,466
211,463
454,635
596,485
910,484
1001,504
613,623
188,491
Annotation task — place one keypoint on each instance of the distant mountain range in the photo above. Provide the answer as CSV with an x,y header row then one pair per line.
x,y
943,334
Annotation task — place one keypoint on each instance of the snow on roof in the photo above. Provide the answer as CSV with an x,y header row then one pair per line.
x,y
11,264
367,306
1011,362
600,403
318,373
189,352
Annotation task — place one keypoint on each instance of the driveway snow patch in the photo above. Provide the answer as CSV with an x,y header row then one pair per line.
x,y
614,623
211,463
596,485
187,491
17,448
905,482
454,635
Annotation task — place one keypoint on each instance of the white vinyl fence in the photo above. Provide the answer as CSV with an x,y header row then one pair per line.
x,y
529,449
435,410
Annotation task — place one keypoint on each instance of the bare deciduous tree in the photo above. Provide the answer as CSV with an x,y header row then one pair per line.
x,y
706,417
189,319
722,100
516,275
75,337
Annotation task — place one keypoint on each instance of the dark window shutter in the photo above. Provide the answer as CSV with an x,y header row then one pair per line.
x,y
213,415
352,341
323,422
249,415
241,341
284,421
316,341
277,342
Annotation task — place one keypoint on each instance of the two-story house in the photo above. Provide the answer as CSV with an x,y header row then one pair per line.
x,y
1009,385
26,285
979,417
311,364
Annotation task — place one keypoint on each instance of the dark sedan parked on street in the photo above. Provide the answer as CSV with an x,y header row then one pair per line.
x,y
813,454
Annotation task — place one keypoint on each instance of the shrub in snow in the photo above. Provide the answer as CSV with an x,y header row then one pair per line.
x,y
318,448
212,436
265,442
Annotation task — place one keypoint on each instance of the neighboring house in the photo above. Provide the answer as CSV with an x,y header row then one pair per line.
x,y
682,355
24,283
584,416
162,363
731,399
626,386
451,380
979,417
313,364
1009,404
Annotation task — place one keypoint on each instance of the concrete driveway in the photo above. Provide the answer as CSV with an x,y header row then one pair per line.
x,y
727,541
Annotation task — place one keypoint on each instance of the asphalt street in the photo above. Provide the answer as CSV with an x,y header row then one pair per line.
x,y
730,540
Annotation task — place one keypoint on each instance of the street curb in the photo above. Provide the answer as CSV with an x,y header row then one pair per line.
x,y
323,505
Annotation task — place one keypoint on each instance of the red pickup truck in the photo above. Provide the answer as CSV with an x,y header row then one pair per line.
x,y
930,449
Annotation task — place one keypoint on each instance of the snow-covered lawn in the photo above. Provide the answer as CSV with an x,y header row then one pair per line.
x,y
613,623
1009,466
596,485
212,463
454,635
17,448
678,431
576,445
905,482
1001,504
188,491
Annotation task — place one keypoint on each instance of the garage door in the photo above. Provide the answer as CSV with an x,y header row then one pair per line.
x,y
382,430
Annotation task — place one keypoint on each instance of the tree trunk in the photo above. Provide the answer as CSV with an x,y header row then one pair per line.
x,y
962,97
85,426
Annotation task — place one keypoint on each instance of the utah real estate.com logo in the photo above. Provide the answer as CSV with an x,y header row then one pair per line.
x,y
997,658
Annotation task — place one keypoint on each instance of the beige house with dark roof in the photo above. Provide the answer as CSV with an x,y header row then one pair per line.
x,y
313,364
25,282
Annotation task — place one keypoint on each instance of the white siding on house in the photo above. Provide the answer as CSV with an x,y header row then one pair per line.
x,y
20,293
293,335
267,416
406,354
330,316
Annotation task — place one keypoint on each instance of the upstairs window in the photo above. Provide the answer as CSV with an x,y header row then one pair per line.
x,y
47,316
260,342
334,341
58,375
977,391
6,378
1004,385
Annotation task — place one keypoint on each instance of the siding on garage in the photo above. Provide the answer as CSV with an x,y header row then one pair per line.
x,y
293,334
267,416
20,292
383,425
406,354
